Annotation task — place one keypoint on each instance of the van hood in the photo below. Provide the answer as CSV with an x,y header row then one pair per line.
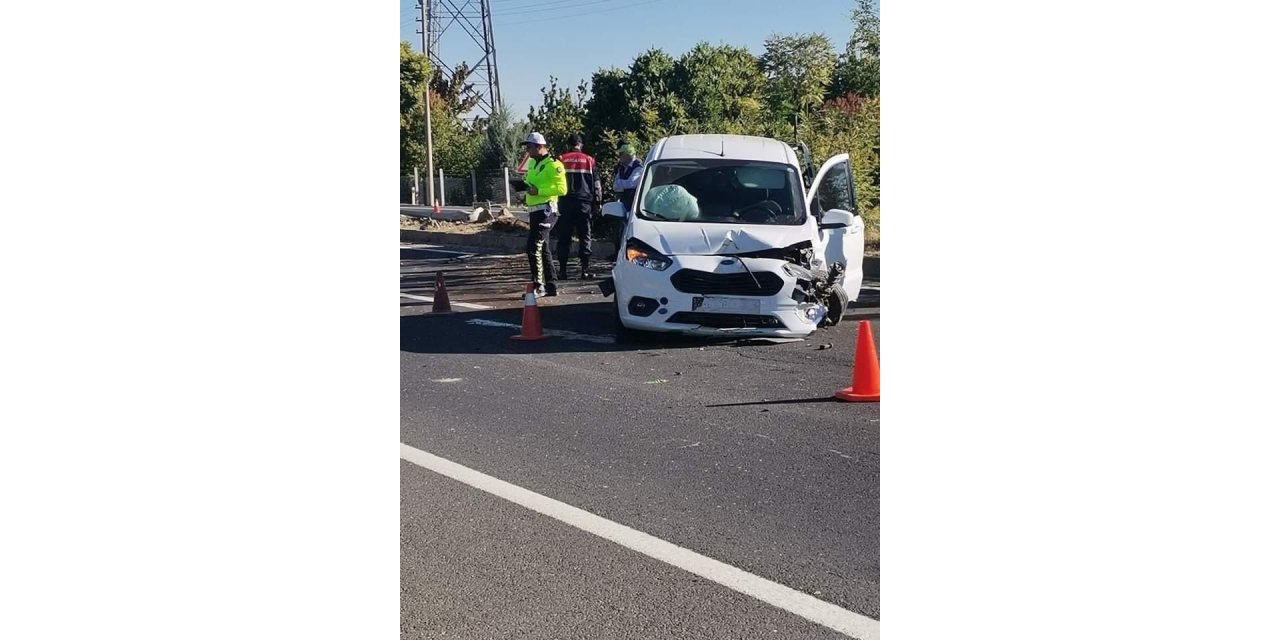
x,y
690,238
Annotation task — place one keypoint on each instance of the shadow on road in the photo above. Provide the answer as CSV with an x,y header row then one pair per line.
x,y
574,328
822,399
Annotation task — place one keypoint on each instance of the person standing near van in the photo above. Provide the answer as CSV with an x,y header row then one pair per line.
x,y
626,175
576,207
626,179
544,184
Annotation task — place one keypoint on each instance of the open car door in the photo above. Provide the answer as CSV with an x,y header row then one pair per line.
x,y
832,203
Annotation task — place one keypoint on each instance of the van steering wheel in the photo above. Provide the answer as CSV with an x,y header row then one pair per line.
x,y
770,208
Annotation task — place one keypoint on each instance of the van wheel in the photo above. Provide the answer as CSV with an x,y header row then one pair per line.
x,y
837,303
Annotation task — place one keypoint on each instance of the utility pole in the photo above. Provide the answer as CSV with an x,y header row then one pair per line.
x,y
424,18
471,22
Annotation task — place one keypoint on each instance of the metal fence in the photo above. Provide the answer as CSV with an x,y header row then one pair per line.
x,y
455,188
408,190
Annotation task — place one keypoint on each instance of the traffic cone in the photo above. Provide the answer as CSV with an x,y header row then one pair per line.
x,y
531,323
435,206
440,301
866,369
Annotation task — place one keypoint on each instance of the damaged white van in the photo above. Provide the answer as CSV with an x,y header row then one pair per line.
x,y
726,236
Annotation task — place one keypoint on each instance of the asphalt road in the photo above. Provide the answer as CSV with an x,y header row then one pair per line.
x,y
732,450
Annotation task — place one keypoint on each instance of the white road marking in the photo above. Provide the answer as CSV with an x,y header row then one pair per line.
x,y
802,604
437,249
464,305
448,380
567,335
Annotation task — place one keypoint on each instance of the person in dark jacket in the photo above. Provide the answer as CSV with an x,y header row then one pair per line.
x,y
626,176
626,179
577,207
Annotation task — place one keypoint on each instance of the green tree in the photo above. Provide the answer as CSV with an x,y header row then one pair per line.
x,y
457,96
852,126
653,108
414,70
798,69
560,115
858,71
721,88
457,147
606,119
502,138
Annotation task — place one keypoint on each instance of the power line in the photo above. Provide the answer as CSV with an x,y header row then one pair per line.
x,y
574,15
542,6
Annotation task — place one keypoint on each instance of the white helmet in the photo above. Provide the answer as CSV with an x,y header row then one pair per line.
x,y
535,138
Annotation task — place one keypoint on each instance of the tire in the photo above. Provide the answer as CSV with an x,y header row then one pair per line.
x,y
837,303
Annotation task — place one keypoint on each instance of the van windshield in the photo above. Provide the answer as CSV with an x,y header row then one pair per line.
x,y
721,191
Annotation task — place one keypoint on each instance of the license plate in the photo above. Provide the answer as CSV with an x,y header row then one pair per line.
x,y
726,305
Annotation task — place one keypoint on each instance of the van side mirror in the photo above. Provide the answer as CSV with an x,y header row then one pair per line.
x,y
836,219
615,209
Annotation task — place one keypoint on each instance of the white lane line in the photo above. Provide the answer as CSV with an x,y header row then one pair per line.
x,y
464,305
567,335
802,604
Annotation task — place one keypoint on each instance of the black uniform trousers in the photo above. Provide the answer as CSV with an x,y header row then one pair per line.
x,y
538,248
575,219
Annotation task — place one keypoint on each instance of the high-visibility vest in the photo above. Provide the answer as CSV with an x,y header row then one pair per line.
x,y
547,175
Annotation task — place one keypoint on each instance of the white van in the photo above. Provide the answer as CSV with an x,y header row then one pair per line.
x,y
725,238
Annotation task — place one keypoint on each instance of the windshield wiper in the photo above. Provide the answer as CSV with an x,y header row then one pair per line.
x,y
656,215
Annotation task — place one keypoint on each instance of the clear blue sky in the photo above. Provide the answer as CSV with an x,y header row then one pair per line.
x,y
571,39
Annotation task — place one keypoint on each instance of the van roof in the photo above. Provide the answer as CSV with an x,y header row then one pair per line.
x,y
734,146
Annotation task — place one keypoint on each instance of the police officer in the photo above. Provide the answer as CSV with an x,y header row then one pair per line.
x,y
577,207
544,184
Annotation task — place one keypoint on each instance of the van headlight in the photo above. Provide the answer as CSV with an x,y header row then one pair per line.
x,y
643,255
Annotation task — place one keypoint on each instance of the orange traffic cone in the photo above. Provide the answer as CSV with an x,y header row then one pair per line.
x,y
435,206
866,369
531,323
440,301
